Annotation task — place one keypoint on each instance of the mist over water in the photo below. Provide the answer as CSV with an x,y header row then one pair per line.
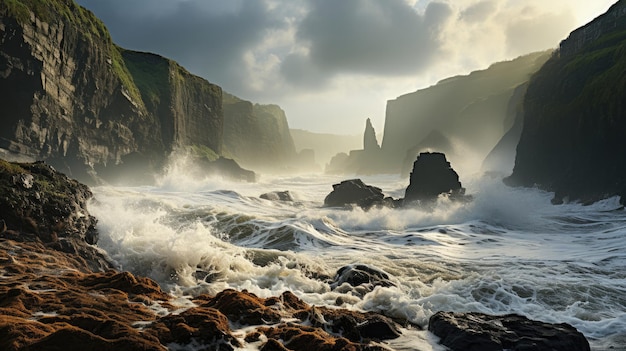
x,y
507,251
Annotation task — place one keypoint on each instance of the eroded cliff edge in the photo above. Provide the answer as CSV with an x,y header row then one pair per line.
x,y
572,140
70,96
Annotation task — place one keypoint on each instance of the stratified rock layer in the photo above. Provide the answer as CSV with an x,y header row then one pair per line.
x,y
70,96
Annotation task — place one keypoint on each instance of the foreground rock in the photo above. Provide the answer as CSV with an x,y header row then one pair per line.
x,y
481,332
38,204
432,176
354,191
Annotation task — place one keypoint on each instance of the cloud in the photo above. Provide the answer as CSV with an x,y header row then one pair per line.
x,y
478,12
210,38
335,62
371,37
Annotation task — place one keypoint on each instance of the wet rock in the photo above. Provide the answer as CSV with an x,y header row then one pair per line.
x,y
243,307
432,176
481,332
278,196
355,192
360,275
50,207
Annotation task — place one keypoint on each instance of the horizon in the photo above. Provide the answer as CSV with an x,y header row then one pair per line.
x,y
329,66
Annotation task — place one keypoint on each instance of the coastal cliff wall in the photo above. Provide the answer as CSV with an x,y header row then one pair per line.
x,y
470,111
69,97
572,140
256,135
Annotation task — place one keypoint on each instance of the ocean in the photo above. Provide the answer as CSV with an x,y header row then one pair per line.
x,y
507,251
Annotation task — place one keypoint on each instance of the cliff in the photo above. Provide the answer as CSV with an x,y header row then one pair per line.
x,y
572,141
70,96
469,111
257,135
324,145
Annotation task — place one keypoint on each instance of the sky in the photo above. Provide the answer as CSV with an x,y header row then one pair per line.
x,y
331,64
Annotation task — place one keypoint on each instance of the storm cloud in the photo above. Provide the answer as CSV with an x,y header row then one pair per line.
x,y
366,36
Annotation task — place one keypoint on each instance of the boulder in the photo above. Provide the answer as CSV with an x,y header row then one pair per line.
x,y
432,176
354,191
278,196
481,332
362,276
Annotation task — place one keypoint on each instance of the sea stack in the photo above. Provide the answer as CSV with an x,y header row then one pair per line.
x,y
432,175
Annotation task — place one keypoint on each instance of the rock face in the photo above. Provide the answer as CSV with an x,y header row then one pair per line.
x,y
432,175
470,110
502,157
480,332
572,142
257,135
70,96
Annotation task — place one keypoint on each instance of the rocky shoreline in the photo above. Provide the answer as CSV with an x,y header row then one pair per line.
x,y
59,291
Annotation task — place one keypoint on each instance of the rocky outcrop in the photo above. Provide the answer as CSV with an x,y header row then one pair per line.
x,y
432,176
470,111
355,192
359,279
481,332
38,204
367,160
70,96
369,138
257,135
278,196
572,141
595,29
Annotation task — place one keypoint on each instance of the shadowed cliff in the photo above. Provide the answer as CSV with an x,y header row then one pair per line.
x,y
572,140
465,112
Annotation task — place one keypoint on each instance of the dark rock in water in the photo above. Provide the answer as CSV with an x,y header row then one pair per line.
x,y
481,332
432,175
228,168
360,275
354,191
277,196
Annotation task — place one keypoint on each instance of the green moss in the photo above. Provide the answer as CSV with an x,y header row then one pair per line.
x,y
150,74
202,151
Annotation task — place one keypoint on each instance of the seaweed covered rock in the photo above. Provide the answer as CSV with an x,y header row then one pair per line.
x,y
481,332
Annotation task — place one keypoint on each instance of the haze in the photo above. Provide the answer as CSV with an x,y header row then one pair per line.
x,y
331,64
